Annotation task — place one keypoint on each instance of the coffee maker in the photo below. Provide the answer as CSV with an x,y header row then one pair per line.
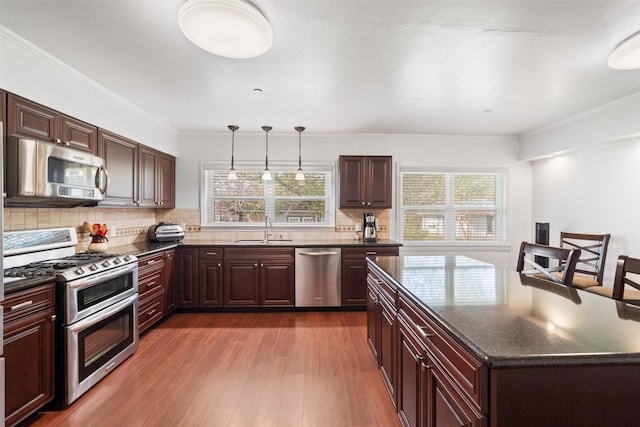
x,y
369,227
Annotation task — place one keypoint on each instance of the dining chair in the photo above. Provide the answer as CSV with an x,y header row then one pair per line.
x,y
561,273
590,266
626,284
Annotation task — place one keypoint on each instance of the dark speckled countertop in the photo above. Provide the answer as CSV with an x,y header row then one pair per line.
x,y
506,321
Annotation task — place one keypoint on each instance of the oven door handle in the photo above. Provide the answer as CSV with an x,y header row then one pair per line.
x,y
105,275
104,313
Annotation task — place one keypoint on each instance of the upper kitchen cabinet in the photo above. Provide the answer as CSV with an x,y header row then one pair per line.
x,y
121,161
31,120
365,182
157,179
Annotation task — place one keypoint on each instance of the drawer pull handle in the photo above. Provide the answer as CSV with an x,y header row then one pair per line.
x,y
424,367
151,261
211,253
21,305
371,252
152,312
423,331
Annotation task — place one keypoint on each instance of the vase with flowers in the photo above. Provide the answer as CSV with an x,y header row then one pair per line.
x,y
99,238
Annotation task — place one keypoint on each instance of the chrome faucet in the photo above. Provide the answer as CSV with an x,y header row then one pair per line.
x,y
268,227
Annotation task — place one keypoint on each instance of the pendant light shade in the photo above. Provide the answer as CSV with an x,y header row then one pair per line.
x,y
232,171
299,173
229,28
266,175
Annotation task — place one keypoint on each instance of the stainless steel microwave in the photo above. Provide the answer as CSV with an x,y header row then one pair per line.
x,y
42,174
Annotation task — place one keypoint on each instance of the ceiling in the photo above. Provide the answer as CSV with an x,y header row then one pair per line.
x,y
417,67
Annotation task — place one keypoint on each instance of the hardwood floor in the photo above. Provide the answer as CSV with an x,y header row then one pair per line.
x,y
241,369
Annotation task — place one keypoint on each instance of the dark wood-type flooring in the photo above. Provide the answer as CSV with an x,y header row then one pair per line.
x,y
241,369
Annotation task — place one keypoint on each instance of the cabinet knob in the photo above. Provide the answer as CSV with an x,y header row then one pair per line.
x,y
362,203
424,367
219,264
53,317
368,203
255,265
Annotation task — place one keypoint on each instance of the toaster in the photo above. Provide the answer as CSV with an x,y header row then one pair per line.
x,y
165,231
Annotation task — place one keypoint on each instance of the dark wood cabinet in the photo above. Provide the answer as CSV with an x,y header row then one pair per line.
x,y
169,288
259,277
121,161
412,398
211,277
366,182
354,272
186,278
151,290
29,337
156,179
32,120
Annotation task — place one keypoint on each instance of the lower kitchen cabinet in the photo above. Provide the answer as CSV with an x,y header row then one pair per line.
x,y
29,337
169,291
185,277
211,275
354,272
260,277
151,290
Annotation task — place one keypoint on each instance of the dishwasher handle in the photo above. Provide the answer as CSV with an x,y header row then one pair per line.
x,y
318,253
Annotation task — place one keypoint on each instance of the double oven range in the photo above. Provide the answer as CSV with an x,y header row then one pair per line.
x,y
96,303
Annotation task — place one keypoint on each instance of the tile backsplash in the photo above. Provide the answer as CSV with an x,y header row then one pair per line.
x,y
131,225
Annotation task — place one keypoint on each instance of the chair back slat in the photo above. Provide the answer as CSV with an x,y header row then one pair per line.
x,y
567,259
593,249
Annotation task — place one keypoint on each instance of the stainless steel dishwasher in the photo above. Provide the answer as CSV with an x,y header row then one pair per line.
x,y
318,278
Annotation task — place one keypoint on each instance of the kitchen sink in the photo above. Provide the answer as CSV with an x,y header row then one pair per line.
x,y
262,242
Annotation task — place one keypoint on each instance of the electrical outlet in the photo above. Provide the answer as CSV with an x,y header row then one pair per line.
x,y
358,226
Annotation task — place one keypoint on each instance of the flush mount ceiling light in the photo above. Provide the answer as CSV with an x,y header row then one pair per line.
x,y
627,55
229,28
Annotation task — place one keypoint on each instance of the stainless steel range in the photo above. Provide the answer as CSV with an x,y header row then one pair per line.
x,y
96,303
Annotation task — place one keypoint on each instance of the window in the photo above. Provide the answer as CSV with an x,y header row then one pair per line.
x,y
449,206
246,201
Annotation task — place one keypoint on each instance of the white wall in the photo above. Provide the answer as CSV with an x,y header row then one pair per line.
x,y
409,150
32,73
595,190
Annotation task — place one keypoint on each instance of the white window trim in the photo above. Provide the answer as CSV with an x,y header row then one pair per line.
x,y
444,245
278,166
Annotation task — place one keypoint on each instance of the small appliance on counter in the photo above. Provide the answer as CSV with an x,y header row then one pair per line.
x,y
369,232
165,231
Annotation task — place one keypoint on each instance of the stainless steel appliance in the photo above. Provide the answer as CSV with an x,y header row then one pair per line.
x,y
48,175
318,277
369,228
165,231
96,304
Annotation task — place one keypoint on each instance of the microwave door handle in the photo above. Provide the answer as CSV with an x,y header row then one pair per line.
x,y
106,181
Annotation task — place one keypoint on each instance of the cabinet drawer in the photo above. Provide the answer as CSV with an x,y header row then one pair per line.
x,y
28,301
386,289
465,371
150,262
362,253
259,253
150,281
150,311
213,254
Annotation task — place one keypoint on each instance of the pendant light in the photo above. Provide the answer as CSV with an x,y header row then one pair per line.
x,y
266,176
232,171
299,173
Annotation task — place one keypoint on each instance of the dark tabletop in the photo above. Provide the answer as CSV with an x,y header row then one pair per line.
x,y
505,320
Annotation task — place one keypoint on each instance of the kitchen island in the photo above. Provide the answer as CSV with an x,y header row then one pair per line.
x,y
475,344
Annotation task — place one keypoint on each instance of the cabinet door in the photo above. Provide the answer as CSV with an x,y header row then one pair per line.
x,y
167,181
211,276
354,282
31,120
148,178
186,277
373,320
121,158
411,378
241,283
78,135
277,282
169,289
387,349
352,182
29,367
445,405
378,182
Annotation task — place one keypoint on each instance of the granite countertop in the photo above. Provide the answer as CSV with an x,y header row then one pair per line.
x,y
508,321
